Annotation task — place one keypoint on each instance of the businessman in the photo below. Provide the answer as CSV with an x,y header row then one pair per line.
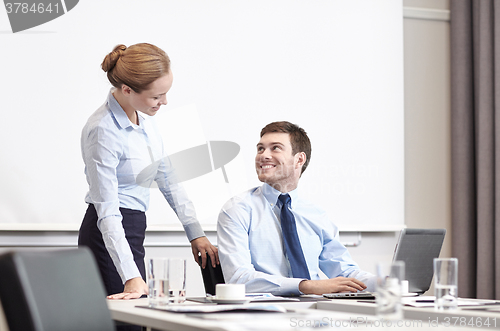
x,y
274,241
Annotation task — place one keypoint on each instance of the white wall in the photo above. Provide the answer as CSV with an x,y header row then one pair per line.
x,y
237,66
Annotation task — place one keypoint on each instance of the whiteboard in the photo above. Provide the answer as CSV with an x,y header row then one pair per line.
x,y
334,68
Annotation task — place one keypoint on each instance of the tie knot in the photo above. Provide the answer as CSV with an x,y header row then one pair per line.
x,y
284,198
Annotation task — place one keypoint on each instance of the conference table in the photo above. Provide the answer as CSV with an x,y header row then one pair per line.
x,y
472,316
297,315
340,314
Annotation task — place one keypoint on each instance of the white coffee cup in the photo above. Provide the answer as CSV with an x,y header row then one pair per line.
x,y
405,287
230,291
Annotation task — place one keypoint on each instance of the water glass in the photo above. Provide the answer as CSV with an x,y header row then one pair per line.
x,y
388,290
177,280
158,282
446,283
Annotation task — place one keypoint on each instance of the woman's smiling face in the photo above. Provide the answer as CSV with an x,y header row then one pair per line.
x,y
149,101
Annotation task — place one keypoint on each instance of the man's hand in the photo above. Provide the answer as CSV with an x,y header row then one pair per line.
x,y
339,284
134,289
202,246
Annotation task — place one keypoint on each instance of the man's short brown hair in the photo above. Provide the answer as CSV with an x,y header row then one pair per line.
x,y
298,138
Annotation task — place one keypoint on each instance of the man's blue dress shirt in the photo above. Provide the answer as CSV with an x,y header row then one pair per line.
x,y
115,152
251,249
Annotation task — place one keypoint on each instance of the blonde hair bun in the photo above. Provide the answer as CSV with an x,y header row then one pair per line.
x,y
136,66
110,60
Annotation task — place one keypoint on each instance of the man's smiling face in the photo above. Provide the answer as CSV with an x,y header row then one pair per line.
x,y
275,163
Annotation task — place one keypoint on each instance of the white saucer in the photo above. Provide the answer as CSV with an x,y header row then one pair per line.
x,y
229,301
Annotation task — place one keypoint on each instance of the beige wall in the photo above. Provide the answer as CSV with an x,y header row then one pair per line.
x,y
428,4
427,121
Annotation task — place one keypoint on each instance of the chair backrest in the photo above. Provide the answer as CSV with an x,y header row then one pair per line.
x,y
57,290
211,276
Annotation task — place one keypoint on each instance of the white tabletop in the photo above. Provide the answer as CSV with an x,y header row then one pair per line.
x,y
474,316
333,314
129,312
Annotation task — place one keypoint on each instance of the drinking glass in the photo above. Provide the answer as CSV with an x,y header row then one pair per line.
x,y
446,283
177,280
388,290
158,282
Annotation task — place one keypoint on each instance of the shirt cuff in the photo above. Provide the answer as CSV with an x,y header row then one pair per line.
x,y
129,270
194,230
289,286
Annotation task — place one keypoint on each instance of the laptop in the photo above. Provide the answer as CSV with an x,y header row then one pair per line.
x,y
417,248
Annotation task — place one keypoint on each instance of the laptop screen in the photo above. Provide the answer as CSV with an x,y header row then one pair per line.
x,y
417,248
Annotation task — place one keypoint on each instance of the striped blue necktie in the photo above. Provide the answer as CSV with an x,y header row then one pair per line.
x,y
291,240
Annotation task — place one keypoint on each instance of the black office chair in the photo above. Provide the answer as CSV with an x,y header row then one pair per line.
x,y
57,290
211,276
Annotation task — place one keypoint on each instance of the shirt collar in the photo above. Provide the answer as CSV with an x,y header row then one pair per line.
x,y
120,115
271,194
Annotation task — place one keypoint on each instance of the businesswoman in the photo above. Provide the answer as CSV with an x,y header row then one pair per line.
x,y
119,143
